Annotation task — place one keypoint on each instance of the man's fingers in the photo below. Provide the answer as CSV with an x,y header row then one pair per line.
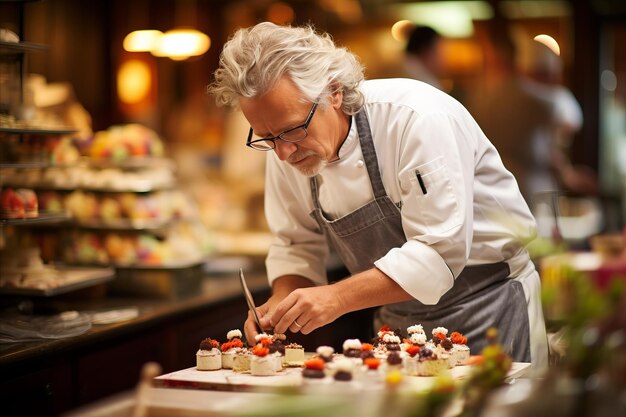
x,y
250,330
284,314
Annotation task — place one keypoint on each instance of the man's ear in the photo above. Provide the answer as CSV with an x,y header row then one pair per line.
x,y
336,97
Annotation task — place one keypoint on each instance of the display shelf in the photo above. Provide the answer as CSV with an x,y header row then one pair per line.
x,y
26,165
133,163
139,187
9,48
42,218
38,130
71,279
125,224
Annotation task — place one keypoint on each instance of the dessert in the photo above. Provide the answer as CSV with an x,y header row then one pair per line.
x,y
372,375
208,357
460,351
428,363
31,206
12,205
313,370
261,362
393,362
343,371
294,355
326,353
352,348
229,349
274,346
241,360
367,351
443,345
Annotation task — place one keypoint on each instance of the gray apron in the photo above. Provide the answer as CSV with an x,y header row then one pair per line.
x,y
482,296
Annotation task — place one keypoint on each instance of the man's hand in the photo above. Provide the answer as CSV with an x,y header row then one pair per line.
x,y
250,328
306,309
281,288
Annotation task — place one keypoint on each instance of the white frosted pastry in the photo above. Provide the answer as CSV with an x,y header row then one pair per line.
x,y
262,365
294,355
416,328
460,354
241,360
418,339
431,367
460,351
208,357
230,348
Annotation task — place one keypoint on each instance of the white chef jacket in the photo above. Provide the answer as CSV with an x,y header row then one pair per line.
x,y
478,217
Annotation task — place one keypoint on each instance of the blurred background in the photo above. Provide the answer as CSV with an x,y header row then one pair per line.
x,y
129,198
116,83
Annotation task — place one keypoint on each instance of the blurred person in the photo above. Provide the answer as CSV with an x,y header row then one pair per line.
x,y
398,178
423,56
531,119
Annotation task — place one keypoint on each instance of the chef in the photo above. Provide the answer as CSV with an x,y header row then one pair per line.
x,y
398,178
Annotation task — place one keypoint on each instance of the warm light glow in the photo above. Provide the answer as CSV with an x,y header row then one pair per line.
x,y
452,19
550,42
349,11
280,13
134,81
142,40
179,44
400,30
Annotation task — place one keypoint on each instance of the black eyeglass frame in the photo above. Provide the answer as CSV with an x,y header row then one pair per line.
x,y
250,143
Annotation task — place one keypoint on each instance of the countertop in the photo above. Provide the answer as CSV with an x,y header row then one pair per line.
x,y
215,289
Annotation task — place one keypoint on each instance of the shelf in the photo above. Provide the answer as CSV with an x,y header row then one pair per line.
x,y
43,218
138,188
72,279
26,165
7,48
38,131
125,224
133,163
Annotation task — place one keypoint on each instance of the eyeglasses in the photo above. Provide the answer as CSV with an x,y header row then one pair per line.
x,y
293,135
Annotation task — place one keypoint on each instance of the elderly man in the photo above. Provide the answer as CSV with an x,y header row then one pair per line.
x,y
398,177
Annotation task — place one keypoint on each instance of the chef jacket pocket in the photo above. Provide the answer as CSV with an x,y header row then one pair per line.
x,y
433,198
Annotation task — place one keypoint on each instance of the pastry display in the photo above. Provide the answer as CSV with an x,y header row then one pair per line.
x,y
208,356
122,142
18,204
360,365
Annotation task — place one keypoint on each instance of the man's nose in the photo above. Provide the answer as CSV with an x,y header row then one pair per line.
x,y
284,149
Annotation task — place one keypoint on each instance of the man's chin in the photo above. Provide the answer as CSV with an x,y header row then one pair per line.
x,y
310,169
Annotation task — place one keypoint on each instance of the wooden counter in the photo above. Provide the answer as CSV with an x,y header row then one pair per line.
x,y
50,376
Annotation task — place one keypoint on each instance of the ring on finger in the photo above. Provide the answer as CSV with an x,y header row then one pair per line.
x,y
297,324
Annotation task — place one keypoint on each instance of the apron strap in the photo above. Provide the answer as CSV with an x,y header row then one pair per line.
x,y
369,153
315,192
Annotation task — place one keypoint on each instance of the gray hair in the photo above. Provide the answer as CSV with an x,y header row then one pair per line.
x,y
255,58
